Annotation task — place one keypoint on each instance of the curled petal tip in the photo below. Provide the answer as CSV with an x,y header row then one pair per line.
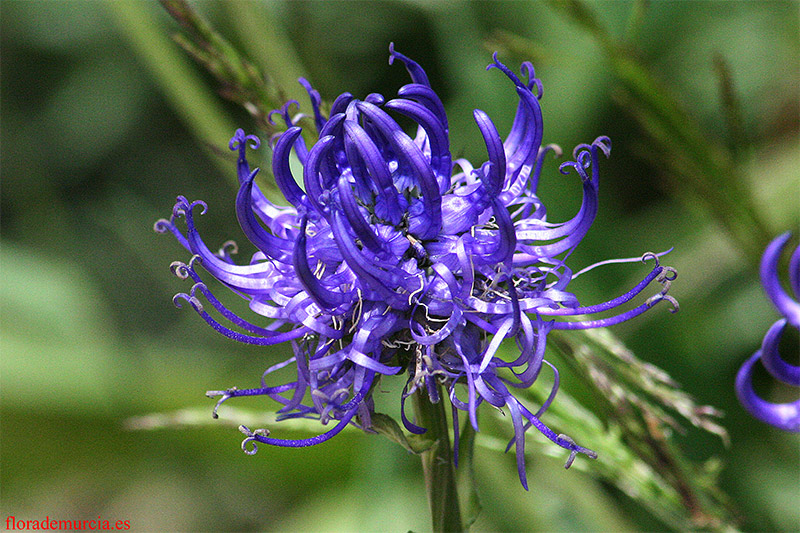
x,y
193,301
251,438
239,139
183,207
494,62
568,443
271,114
771,358
653,300
650,255
784,416
604,143
675,305
162,225
783,302
180,269
668,274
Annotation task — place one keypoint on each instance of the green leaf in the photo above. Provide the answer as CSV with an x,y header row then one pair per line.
x,y
194,101
56,351
389,428
698,167
229,417
465,476
617,463
643,405
241,81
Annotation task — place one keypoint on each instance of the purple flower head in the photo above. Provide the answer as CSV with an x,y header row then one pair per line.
x,y
392,257
785,416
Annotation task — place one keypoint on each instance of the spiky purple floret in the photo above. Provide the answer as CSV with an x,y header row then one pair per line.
x,y
393,256
785,416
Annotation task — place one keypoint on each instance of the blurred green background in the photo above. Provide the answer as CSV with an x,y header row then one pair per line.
x,y
98,138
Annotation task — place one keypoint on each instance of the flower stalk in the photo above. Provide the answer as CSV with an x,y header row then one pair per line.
x,y
437,464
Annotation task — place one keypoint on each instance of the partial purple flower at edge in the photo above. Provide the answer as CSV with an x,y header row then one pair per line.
x,y
393,257
785,416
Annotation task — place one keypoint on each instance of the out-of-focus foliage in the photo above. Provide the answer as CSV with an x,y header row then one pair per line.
x,y
105,120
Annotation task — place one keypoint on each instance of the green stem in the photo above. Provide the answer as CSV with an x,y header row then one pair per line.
x,y
697,163
186,91
437,464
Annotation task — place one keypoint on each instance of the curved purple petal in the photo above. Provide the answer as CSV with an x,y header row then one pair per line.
x,y
280,167
437,134
414,70
271,245
772,360
378,169
316,100
785,416
327,299
374,277
427,97
415,162
786,306
358,223
497,156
